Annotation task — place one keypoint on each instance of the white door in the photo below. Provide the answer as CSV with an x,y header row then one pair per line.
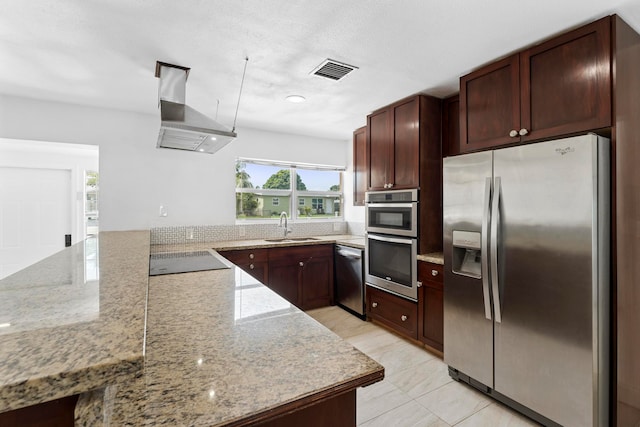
x,y
35,215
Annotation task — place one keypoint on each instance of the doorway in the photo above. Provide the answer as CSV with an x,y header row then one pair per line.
x,y
44,199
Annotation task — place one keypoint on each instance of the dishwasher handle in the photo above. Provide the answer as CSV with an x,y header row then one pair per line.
x,y
349,252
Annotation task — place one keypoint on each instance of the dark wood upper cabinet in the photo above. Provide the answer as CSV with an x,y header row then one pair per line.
x,y
359,165
559,87
566,83
490,105
378,149
406,145
395,135
451,126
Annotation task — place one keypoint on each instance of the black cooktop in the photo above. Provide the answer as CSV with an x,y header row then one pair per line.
x,y
184,262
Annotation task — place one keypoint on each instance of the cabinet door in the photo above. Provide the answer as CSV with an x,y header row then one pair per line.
x,y
317,282
359,165
490,105
284,275
378,149
430,305
566,83
405,155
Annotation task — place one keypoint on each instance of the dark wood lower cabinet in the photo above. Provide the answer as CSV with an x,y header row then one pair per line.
x,y
56,413
253,261
430,301
303,274
395,312
284,276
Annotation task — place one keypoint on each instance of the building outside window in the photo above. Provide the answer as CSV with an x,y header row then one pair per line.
x,y
264,190
317,205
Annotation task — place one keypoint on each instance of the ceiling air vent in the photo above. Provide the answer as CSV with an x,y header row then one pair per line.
x,y
333,70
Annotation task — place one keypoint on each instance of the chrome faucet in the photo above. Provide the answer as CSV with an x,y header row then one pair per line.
x,y
287,230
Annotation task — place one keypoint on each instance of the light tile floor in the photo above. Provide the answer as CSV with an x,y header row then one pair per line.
x,y
417,390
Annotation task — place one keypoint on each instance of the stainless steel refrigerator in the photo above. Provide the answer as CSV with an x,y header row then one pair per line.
x,y
526,291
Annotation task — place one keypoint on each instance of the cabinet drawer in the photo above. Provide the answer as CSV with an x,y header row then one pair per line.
x,y
430,274
246,256
397,313
259,270
300,253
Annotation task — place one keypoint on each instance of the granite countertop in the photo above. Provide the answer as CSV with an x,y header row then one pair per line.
x,y
223,348
343,239
434,257
76,320
220,347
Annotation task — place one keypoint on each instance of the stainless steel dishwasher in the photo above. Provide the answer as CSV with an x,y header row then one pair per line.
x,y
349,284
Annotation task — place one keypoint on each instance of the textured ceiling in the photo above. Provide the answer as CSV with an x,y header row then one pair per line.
x,y
103,52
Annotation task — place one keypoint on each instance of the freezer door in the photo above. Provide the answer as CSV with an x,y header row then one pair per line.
x,y
468,328
552,277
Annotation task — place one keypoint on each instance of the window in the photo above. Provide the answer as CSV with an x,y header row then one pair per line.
x,y
264,190
316,203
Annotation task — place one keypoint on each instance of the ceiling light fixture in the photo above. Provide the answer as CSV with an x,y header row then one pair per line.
x,y
296,99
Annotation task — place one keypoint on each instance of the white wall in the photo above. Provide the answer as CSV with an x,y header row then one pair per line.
x,y
136,178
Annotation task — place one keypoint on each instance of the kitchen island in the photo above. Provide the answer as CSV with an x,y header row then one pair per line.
x,y
220,349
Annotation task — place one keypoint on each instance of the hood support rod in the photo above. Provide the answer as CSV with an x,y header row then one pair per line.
x,y
246,61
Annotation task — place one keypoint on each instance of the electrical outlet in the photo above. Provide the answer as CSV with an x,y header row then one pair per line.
x,y
242,232
163,211
189,234
337,226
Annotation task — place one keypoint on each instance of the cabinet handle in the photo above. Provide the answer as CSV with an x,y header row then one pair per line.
x,y
513,133
434,272
251,256
251,266
523,132
419,284
374,304
301,264
403,318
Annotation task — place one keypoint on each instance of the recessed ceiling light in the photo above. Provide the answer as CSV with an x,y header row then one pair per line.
x,y
296,98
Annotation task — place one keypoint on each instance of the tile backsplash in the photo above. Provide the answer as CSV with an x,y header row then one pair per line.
x,y
212,233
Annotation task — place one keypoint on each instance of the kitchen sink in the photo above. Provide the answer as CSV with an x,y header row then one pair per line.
x,y
292,239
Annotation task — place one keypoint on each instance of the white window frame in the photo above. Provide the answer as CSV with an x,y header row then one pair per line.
x,y
294,194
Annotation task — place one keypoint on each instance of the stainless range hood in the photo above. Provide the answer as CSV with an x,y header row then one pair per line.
x,y
182,127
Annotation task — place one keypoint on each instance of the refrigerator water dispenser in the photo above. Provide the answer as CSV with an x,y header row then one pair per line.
x,y
467,254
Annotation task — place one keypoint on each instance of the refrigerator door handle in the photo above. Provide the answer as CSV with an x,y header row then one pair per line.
x,y
484,256
495,223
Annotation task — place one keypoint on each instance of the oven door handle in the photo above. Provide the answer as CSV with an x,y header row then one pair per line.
x,y
401,240
409,205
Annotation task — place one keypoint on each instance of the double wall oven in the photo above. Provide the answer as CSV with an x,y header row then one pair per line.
x,y
392,241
